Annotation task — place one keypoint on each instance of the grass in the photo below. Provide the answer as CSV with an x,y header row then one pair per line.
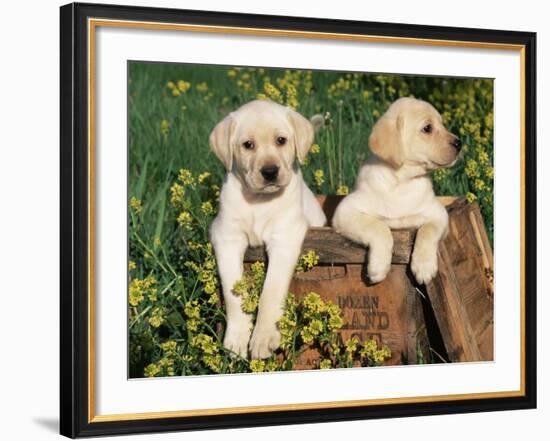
x,y
176,318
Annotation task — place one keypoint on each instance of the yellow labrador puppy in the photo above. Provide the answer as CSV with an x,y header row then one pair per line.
x,y
394,189
263,201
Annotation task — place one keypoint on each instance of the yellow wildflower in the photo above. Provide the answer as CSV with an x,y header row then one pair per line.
x,y
186,177
470,197
272,92
184,86
157,317
342,190
307,261
257,365
207,208
135,204
185,220
206,343
315,149
177,193
203,177
319,176
151,370
139,288
169,347
471,169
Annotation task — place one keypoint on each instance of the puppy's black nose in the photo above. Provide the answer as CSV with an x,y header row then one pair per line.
x,y
270,172
456,143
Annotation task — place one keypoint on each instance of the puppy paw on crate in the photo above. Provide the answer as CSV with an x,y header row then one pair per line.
x,y
378,270
424,266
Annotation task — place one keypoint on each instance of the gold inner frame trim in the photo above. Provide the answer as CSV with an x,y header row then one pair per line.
x,y
92,25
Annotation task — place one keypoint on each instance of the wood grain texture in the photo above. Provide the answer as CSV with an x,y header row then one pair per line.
x,y
389,312
333,248
462,293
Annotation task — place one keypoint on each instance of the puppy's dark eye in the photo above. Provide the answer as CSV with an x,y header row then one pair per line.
x,y
427,128
281,140
249,145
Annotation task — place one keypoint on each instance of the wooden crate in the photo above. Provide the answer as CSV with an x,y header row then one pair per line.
x,y
451,317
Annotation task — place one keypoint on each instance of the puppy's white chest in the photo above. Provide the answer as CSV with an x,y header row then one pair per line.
x,y
256,232
260,225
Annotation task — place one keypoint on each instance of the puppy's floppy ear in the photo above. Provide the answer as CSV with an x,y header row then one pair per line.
x,y
221,141
385,140
303,134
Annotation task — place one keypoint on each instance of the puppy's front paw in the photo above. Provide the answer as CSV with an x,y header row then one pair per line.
x,y
237,337
265,339
424,265
378,269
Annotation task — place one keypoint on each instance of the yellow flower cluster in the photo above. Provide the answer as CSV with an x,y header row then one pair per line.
x,y
249,287
178,88
177,193
307,261
342,190
157,317
470,197
209,349
271,93
185,220
206,273
373,354
165,366
315,149
291,96
316,312
141,288
135,204
263,365
192,311
169,347
319,176
186,177
203,177
151,370
207,208
205,343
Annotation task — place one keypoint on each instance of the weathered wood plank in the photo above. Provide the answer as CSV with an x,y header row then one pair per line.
x,y
461,295
333,248
389,312
451,313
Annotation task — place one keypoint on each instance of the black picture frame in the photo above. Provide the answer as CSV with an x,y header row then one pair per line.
x,y
75,416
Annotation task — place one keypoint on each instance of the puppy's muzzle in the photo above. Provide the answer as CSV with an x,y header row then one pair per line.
x,y
456,143
270,172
